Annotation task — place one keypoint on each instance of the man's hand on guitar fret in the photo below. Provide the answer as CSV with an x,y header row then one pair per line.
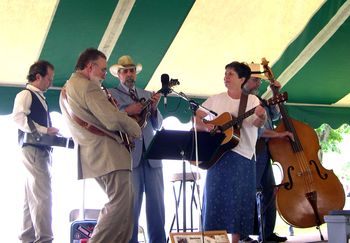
x,y
155,100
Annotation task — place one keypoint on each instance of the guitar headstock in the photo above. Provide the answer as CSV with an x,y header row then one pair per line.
x,y
279,98
173,82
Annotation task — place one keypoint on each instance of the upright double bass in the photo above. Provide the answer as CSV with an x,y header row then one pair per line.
x,y
308,191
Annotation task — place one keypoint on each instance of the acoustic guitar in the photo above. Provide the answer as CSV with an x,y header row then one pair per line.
x,y
142,118
227,124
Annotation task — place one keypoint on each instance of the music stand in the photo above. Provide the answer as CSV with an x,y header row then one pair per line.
x,y
180,145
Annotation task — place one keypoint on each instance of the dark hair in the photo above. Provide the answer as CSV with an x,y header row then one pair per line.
x,y
242,69
90,54
39,67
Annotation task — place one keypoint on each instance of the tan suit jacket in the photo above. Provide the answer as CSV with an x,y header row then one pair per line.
x,y
97,155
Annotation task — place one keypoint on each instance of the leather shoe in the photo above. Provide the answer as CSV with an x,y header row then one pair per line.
x,y
275,238
248,240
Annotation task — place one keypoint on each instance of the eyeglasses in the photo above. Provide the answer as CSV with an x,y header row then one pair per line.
x,y
126,70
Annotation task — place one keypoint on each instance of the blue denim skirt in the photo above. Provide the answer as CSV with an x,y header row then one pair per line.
x,y
229,195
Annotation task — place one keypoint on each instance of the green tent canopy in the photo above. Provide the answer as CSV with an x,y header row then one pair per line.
x,y
304,41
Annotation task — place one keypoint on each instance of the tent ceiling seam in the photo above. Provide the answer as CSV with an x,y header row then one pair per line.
x,y
314,46
115,26
48,29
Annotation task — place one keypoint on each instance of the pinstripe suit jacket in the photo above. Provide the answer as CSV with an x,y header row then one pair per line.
x,y
153,123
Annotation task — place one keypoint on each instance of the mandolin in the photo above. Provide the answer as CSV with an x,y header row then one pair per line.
x,y
142,118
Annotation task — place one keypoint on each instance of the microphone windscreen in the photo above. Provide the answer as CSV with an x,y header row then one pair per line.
x,y
164,79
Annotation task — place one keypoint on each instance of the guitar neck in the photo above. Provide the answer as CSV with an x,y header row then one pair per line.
x,y
246,114
238,120
146,103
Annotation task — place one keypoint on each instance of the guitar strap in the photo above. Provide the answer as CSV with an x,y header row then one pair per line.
x,y
32,127
242,107
119,136
88,126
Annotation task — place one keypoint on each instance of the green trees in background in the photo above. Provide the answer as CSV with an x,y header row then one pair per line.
x,y
329,141
330,138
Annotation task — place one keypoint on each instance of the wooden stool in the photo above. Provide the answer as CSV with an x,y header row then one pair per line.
x,y
178,177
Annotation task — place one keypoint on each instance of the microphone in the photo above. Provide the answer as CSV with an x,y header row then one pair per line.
x,y
165,86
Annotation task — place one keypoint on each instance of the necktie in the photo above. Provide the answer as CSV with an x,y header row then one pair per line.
x,y
49,122
133,95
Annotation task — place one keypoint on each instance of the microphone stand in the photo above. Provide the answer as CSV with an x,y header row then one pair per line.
x,y
193,104
194,107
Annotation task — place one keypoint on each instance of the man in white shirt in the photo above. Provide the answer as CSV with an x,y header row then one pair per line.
x,y
30,106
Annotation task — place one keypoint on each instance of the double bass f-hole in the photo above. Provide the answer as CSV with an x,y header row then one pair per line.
x,y
322,176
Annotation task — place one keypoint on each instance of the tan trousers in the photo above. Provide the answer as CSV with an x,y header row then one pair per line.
x,y
37,213
114,224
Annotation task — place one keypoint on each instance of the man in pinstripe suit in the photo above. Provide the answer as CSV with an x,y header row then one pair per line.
x,y
147,174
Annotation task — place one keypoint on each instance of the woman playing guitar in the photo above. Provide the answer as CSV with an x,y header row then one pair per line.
x,y
229,193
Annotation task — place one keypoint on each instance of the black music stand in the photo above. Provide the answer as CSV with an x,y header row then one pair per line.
x,y
180,145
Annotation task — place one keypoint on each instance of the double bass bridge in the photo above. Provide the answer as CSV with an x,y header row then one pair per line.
x,y
312,198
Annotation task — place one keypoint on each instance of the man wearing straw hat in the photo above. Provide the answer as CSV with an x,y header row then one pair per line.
x,y
147,173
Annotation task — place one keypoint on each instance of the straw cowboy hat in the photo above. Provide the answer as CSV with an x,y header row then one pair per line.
x,y
124,62
256,71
